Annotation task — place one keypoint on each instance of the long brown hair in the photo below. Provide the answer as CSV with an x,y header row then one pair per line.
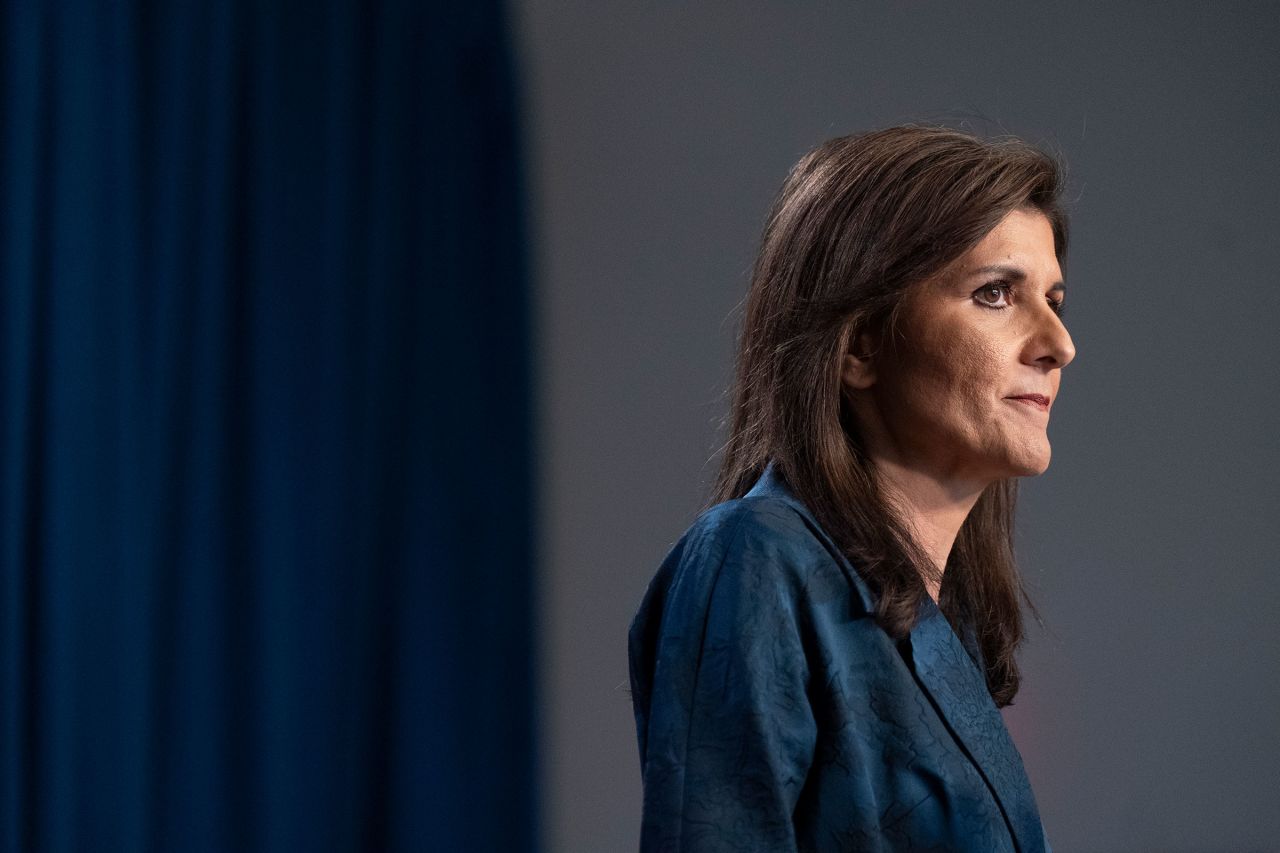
x,y
858,222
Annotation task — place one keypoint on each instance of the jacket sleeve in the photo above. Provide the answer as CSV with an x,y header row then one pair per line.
x,y
719,679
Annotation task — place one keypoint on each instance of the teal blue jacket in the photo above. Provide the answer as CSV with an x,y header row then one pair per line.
x,y
774,714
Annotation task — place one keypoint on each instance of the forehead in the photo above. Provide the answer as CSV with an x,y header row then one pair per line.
x,y
1022,242
1023,238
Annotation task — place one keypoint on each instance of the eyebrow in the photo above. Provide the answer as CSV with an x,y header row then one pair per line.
x,y
1016,274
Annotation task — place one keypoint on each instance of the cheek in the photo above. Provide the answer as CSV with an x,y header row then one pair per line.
x,y
962,373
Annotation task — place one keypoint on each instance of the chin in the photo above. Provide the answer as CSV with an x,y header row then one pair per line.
x,y
1023,459
1031,465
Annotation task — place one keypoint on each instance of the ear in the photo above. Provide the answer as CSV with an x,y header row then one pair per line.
x,y
857,369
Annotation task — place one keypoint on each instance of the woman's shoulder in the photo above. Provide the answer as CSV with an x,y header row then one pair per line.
x,y
757,551
758,533
751,515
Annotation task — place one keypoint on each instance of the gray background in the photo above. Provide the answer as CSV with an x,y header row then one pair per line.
x,y
658,135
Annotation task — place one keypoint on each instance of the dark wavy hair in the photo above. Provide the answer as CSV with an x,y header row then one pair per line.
x,y
859,221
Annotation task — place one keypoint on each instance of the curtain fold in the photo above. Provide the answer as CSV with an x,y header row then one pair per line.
x,y
265,501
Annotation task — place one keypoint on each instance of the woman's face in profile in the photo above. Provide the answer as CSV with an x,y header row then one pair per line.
x,y
973,339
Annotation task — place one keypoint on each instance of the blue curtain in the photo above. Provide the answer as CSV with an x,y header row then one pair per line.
x,y
265,554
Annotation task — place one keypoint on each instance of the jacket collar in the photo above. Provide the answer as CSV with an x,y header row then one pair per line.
x,y
771,484
952,679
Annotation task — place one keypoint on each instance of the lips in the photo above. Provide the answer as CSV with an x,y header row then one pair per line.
x,y
1040,401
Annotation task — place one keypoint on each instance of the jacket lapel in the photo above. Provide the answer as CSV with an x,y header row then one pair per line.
x,y
959,691
951,678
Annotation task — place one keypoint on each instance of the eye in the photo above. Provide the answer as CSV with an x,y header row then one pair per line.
x,y
993,295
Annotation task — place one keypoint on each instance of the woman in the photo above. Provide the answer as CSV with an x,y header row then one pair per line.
x,y
819,662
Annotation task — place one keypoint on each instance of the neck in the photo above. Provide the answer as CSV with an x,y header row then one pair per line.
x,y
932,509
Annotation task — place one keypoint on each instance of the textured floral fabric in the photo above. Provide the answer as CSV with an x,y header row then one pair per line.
x,y
773,714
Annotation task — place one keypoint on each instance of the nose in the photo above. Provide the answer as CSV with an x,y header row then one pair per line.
x,y
1051,345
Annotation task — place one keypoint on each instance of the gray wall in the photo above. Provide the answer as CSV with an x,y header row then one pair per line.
x,y
658,134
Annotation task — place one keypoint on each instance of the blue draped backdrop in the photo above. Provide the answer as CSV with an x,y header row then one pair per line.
x,y
265,540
